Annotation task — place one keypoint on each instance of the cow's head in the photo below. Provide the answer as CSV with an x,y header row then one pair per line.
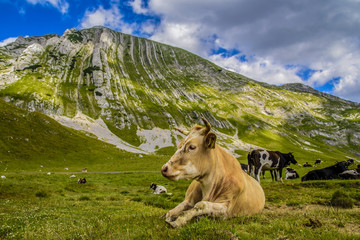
x,y
153,186
342,166
292,158
350,161
189,161
288,158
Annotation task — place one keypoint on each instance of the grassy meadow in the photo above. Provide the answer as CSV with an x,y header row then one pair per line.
x,y
35,205
121,206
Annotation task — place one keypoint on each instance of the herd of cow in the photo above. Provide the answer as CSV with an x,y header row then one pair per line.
x,y
261,160
220,188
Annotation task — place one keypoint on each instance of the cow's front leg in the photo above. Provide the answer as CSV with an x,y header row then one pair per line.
x,y
201,208
174,213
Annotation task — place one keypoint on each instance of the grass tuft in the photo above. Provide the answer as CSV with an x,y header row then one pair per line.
x,y
341,199
84,198
41,194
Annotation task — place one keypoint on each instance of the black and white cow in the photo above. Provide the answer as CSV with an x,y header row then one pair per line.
x,y
291,173
307,165
331,172
317,161
259,160
350,174
81,180
157,189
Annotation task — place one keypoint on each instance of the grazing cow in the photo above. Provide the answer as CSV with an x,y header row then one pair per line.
x,y
157,189
259,160
307,165
220,188
291,173
331,172
81,180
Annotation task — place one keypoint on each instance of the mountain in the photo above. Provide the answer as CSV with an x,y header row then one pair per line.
x,y
132,92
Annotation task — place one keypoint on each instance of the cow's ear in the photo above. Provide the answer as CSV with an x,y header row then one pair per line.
x,y
210,140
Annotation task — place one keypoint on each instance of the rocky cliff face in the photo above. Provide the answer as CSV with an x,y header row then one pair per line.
x,y
139,90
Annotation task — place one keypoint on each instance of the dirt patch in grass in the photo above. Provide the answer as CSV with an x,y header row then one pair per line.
x,y
315,216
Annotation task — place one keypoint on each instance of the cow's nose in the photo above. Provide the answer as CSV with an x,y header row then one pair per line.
x,y
164,169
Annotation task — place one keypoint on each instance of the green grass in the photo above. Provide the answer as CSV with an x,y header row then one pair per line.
x,y
121,206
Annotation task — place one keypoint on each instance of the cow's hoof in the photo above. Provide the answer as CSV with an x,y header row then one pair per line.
x,y
179,222
171,223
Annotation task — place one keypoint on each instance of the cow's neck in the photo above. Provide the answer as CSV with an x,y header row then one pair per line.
x,y
214,174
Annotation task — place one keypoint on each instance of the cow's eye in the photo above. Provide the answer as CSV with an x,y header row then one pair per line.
x,y
192,147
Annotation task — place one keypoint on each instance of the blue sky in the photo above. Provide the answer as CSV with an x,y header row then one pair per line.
x,y
311,42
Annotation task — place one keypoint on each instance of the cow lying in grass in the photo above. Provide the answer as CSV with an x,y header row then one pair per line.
x,y
291,173
331,172
220,188
158,189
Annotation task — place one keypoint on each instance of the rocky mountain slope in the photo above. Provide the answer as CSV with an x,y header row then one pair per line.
x,y
132,92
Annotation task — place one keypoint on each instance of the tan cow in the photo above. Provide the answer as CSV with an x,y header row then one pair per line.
x,y
220,187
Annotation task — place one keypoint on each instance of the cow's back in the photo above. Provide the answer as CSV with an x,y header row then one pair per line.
x,y
322,174
312,175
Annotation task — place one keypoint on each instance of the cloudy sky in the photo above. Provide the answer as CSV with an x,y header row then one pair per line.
x,y
315,42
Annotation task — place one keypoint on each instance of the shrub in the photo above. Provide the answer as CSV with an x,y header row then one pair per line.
x,y
75,37
89,70
41,194
84,198
33,67
341,199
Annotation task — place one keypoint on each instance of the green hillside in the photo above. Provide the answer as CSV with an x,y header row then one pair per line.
x,y
31,141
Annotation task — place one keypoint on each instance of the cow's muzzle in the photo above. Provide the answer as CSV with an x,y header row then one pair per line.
x,y
164,170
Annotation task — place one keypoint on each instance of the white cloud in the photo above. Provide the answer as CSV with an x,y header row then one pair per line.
x,y
61,5
7,41
148,27
102,17
180,35
137,7
111,18
260,69
320,35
